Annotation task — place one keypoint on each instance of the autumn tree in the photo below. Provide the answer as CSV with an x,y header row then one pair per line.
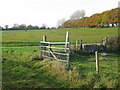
x,y
103,19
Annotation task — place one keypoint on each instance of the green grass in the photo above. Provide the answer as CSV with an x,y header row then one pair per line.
x,y
19,70
33,37
22,68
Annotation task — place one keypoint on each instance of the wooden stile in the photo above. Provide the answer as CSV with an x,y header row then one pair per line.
x,y
48,51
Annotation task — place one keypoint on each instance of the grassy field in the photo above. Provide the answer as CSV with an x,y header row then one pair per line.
x,y
22,68
33,37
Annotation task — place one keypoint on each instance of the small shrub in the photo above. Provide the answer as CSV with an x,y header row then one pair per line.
x,y
113,44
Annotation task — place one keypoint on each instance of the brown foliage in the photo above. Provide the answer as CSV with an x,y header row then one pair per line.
x,y
96,20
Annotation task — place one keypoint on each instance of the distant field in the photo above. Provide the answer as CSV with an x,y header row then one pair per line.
x,y
33,37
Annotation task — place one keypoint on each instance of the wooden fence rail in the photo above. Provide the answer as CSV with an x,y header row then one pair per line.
x,y
60,51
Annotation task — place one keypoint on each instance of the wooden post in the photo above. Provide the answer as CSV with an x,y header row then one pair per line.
x,y
44,40
50,49
68,57
76,45
67,39
81,48
105,41
68,51
40,54
97,62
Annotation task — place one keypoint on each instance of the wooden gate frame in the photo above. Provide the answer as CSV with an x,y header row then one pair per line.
x,y
46,47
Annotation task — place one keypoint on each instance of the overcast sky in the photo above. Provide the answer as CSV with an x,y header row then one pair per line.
x,y
37,12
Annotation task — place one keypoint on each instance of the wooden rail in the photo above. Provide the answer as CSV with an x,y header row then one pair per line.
x,y
55,43
55,47
55,52
46,47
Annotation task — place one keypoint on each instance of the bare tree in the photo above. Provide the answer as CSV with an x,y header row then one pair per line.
x,y
44,26
77,15
60,22
15,26
6,27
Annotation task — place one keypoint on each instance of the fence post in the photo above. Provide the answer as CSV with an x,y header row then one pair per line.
x,y
81,45
67,45
44,40
67,40
68,57
50,49
97,62
105,41
76,45
40,54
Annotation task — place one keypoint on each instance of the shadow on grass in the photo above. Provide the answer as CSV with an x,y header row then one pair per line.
x,y
84,57
85,62
14,44
24,75
81,57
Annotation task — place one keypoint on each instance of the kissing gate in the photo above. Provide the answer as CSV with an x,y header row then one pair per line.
x,y
56,50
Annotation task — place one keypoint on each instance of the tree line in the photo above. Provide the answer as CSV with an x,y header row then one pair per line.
x,y
25,27
109,18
